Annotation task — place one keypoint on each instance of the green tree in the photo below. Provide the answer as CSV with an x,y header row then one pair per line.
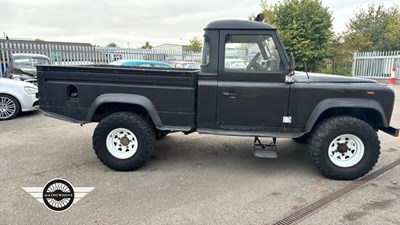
x,y
305,27
340,57
147,45
374,29
111,45
194,46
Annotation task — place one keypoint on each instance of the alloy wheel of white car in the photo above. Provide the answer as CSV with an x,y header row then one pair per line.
x,y
122,143
346,150
8,107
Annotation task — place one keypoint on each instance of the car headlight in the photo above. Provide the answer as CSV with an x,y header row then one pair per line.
x,y
30,90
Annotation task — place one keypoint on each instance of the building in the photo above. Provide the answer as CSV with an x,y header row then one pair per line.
x,y
169,47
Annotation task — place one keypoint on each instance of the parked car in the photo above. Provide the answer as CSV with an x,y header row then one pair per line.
x,y
141,63
185,64
192,66
235,63
15,97
22,66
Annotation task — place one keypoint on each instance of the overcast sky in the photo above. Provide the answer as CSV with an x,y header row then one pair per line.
x,y
134,22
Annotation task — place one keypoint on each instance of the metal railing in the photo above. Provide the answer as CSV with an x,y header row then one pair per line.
x,y
376,65
86,54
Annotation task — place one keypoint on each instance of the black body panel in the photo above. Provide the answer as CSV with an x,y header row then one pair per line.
x,y
172,92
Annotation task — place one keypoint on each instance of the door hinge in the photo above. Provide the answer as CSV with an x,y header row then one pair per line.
x,y
289,79
287,119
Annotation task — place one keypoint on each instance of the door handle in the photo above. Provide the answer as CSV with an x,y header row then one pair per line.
x,y
230,94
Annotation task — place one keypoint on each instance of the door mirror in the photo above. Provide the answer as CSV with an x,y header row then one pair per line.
x,y
291,63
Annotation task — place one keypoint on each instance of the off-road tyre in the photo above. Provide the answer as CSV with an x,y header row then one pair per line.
x,y
323,139
141,130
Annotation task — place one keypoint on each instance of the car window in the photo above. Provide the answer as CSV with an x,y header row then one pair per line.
x,y
251,53
40,61
205,60
25,62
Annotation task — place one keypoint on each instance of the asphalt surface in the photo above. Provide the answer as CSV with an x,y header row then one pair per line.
x,y
194,179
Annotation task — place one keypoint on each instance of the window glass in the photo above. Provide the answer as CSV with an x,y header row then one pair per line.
x,y
23,63
28,62
252,53
206,51
40,61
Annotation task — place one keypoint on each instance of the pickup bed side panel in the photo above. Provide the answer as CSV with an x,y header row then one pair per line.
x,y
169,95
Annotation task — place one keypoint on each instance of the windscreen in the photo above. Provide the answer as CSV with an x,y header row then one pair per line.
x,y
29,62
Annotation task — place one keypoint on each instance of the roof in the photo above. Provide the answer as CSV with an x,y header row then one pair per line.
x,y
167,44
30,55
238,25
138,62
182,62
11,41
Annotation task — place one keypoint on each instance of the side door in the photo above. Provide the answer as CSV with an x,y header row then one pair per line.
x,y
252,93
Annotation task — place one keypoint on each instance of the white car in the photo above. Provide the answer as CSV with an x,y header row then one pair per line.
x,y
235,64
15,97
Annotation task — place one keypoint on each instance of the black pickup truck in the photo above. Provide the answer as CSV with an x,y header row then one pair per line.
x,y
246,86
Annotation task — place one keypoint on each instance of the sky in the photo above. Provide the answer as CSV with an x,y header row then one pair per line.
x,y
130,23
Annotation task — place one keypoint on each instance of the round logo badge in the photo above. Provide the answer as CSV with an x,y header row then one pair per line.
x,y
58,195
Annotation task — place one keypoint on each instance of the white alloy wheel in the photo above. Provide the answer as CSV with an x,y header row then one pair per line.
x,y
122,143
346,150
7,107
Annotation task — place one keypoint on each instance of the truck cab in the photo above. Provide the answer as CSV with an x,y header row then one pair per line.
x,y
243,95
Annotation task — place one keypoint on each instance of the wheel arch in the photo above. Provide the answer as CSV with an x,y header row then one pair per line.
x,y
367,110
107,104
19,106
14,96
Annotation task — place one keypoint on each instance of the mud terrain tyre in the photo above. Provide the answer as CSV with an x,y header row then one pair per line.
x,y
344,148
123,141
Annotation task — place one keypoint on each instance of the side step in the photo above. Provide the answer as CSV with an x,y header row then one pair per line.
x,y
265,150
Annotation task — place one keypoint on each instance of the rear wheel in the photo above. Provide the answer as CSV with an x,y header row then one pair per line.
x,y
9,107
344,148
123,141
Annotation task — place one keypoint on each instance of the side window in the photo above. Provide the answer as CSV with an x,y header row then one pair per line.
x,y
251,53
206,51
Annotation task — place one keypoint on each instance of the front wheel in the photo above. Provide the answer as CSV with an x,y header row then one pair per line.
x,y
123,141
9,107
344,148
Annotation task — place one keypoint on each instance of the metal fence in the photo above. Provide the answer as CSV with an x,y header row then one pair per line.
x,y
86,54
376,65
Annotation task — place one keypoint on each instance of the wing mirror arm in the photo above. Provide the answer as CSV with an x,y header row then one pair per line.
x,y
290,77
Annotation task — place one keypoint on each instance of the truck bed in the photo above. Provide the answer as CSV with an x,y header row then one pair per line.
x,y
171,91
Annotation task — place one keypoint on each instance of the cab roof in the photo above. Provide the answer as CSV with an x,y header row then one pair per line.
x,y
238,25
29,55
